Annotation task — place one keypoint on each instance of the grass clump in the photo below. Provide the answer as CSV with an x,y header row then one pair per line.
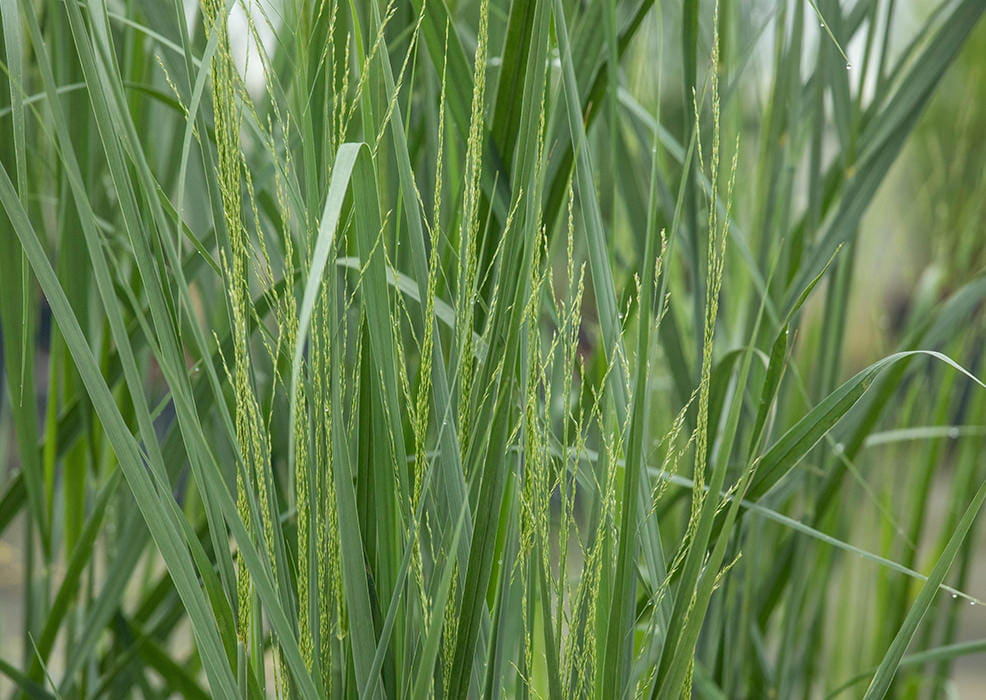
x,y
477,349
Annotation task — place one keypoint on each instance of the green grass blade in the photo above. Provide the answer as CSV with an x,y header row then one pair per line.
x,y
887,669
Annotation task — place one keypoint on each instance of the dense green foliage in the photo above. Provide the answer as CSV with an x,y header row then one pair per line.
x,y
482,348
